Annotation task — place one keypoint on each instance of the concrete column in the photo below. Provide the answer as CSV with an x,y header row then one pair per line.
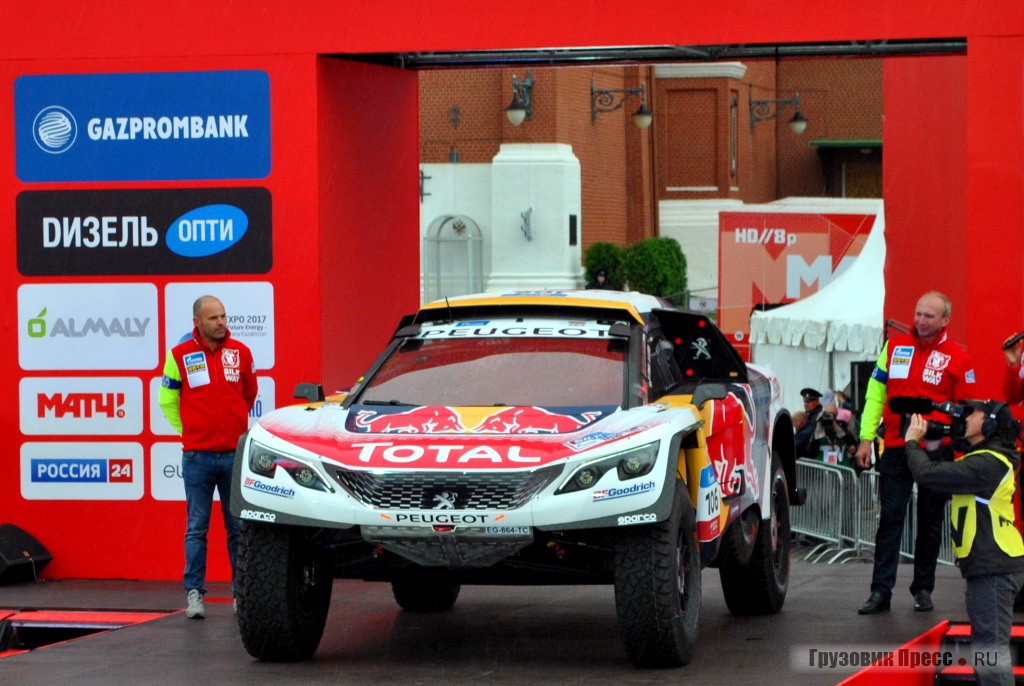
x,y
542,182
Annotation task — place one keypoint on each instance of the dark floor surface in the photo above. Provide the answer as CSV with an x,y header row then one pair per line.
x,y
494,635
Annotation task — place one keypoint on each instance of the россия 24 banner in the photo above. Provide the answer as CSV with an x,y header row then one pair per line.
x,y
142,127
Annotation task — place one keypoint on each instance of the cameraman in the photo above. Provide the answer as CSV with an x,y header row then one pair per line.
x,y
923,363
986,541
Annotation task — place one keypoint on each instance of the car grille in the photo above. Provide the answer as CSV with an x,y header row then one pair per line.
x,y
415,490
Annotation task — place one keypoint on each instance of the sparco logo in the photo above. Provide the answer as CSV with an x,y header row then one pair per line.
x,y
637,519
54,130
261,516
126,327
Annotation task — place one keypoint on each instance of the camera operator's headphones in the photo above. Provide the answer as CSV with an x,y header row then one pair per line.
x,y
990,427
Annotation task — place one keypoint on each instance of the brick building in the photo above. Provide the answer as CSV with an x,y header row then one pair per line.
x,y
700,147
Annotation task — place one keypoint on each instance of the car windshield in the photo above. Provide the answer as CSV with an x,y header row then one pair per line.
x,y
494,371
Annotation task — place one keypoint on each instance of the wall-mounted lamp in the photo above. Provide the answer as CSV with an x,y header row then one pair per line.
x,y
603,100
761,110
526,227
521,106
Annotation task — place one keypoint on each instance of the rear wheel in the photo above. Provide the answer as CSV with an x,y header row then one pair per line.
x,y
425,590
283,589
759,587
657,588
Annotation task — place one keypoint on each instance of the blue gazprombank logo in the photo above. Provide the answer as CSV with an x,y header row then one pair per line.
x,y
54,130
143,127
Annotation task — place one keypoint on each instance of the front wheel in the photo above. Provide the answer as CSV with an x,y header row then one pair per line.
x,y
657,588
283,589
759,587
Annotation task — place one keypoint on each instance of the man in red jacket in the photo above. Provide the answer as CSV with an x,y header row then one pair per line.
x,y
1013,379
923,364
208,388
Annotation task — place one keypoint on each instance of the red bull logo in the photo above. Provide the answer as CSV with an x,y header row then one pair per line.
x,y
534,420
508,420
418,420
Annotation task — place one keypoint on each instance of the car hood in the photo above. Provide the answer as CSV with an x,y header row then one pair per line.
x,y
441,437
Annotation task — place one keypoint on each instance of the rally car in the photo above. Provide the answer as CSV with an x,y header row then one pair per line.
x,y
582,437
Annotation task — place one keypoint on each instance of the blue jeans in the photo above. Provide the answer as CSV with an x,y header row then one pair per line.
x,y
990,607
202,472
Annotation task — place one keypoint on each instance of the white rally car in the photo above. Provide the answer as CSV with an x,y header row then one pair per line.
x,y
583,437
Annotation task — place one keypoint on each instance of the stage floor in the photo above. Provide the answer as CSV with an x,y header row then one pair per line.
x,y
544,635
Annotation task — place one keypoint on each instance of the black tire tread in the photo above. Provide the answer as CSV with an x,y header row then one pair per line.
x,y
656,632
755,588
277,622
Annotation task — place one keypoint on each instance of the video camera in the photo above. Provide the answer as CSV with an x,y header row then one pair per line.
x,y
905,406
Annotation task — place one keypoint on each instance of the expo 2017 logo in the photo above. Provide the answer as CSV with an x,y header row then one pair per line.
x,y
54,130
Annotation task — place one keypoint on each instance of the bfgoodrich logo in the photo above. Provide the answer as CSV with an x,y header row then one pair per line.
x,y
54,129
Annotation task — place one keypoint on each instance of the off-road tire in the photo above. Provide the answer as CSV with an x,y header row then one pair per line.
x,y
759,587
657,587
425,590
283,591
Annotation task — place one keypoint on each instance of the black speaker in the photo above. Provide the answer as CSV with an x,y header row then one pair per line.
x,y
22,557
860,372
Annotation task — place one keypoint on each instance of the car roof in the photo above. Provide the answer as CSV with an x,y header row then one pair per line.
x,y
612,304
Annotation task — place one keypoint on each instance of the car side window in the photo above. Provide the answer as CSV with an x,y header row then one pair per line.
x,y
664,371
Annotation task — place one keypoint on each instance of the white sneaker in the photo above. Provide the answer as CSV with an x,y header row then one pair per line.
x,y
196,608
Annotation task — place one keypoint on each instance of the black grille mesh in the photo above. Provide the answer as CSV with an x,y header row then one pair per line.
x,y
413,490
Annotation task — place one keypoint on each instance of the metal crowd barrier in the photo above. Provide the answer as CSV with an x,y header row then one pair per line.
x,y
840,515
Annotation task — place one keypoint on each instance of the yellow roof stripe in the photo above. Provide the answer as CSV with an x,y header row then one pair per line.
x,y
561,301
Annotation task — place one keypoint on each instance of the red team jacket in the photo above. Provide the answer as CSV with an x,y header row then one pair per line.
x,y
207,394
940,370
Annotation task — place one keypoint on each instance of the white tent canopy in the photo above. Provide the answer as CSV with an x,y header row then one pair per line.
x,y
811,343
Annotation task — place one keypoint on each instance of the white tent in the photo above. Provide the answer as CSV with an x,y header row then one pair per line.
x,y
811,343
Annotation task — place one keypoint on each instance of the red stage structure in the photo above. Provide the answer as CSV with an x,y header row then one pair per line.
x,y
336,176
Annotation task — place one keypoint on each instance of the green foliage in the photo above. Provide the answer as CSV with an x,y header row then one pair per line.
x,y
657,266
607,256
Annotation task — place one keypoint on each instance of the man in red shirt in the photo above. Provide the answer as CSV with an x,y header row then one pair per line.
x,y
922,364
208,388
1013,380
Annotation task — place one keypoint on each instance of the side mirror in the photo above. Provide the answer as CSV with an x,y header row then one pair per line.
x,y
709,391
313,392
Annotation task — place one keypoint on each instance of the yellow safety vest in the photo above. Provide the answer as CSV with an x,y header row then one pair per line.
x,y
964,515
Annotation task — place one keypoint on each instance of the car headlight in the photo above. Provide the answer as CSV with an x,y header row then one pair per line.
x,y
266,462
630,464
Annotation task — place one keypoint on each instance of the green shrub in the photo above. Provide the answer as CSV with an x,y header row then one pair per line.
x,y
657,266
607,256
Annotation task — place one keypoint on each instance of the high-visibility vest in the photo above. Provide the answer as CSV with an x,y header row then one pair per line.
x,y
964,515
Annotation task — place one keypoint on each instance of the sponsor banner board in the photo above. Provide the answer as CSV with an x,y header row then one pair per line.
x,y
89,326
172,231
142,126
249,306
773,258
81,471
80,405
165,480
